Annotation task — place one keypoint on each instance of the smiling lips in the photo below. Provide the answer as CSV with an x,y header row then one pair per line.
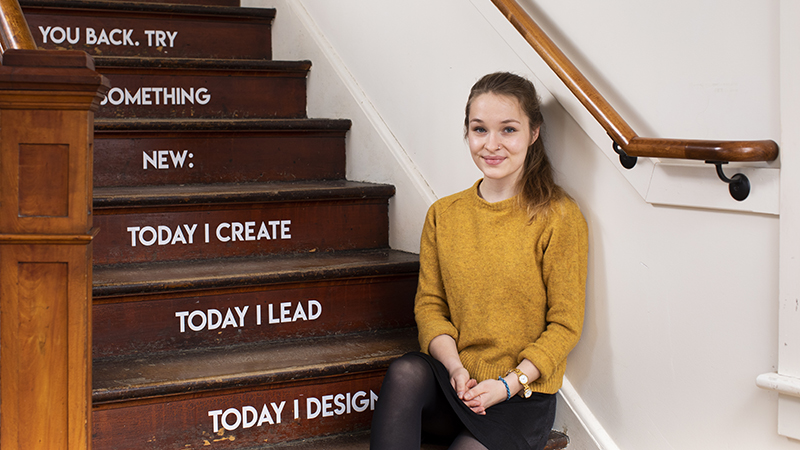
x,y
493,160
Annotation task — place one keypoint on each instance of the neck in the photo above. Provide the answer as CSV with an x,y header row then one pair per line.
x,y
494,191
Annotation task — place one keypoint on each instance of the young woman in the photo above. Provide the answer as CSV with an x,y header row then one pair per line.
x,y
501,292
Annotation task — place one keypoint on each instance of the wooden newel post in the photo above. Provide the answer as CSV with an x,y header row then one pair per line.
x,y
47,105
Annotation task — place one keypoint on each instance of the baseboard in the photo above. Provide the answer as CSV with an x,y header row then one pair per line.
x,y
574,418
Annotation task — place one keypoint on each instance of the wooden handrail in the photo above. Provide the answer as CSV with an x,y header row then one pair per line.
x,y
14,30
612,122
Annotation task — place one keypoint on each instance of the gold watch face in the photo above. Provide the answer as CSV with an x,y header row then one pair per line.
x,y
523,378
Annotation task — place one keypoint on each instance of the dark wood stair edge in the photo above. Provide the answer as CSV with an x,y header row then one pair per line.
x,y
403,341
298,68
243,380
102,125
359,440
264,14
227,193
182,276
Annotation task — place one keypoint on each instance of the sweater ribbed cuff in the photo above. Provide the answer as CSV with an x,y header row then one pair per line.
x,y
427,334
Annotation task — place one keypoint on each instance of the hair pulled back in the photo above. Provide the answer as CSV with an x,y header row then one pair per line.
x,y
536,185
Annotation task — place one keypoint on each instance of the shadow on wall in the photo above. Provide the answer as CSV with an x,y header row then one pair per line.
x,y
575,159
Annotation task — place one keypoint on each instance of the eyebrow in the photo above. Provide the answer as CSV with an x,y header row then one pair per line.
x,y
477,119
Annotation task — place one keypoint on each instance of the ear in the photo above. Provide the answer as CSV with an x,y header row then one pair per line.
x,y
534,135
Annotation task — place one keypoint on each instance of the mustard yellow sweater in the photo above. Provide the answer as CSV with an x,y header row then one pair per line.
x,y
504,289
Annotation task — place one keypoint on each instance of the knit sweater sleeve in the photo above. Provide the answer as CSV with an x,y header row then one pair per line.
x,y
564,261
430,306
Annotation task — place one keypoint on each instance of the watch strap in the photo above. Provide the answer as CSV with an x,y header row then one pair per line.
x,y
526,388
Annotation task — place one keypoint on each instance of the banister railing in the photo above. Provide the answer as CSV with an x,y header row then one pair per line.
x,y
14,30
626,142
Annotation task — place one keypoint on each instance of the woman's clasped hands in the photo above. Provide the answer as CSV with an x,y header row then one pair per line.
x,y
477,396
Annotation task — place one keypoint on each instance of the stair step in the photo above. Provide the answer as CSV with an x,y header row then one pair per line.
x,y
210,370
186,2
114,28
202,88
191,151
166,306
360,441
112,200
168,223
320,386
112,281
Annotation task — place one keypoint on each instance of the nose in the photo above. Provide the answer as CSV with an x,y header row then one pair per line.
x,y
492,142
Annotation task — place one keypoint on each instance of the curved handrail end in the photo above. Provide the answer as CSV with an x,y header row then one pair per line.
x,y
704,150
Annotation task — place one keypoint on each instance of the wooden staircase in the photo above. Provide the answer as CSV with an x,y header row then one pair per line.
x,y
244,293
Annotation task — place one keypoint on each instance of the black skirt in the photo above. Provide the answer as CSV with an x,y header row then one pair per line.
x,y
518,423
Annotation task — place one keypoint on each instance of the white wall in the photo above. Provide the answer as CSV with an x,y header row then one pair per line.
x,y
681,311
705,69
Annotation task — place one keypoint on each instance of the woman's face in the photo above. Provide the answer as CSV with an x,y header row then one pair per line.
x,y
499,135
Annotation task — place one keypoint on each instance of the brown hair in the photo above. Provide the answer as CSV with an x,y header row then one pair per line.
x,y
536,185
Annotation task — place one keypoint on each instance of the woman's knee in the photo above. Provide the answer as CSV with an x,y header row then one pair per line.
x,y
409,370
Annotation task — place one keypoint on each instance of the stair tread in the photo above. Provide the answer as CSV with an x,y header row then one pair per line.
x,y
278,191
121,378
166,8
238,125
360,441
128,279
209,64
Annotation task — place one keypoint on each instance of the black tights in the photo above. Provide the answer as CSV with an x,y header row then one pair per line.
x,y
411,405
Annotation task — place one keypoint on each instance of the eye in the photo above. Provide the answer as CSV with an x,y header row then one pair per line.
x,y
479,130
509,130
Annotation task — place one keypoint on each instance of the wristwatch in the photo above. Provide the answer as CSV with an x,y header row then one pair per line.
x,y
523,380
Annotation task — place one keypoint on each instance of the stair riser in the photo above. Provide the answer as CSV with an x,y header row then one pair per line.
x,y
202,94
109,33
291,227
189,422
141,325
216,157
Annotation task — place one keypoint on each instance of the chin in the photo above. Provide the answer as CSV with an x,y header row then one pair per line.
x,y
494,175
